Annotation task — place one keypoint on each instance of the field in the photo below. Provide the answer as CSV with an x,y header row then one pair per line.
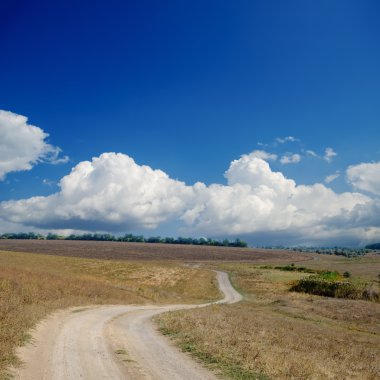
x,y
273,333
151,251
279,334
31,286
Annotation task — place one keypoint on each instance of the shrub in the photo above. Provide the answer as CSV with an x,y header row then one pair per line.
x,y
328,287
293,268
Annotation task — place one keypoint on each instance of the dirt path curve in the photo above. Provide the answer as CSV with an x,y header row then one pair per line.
x,y
111,342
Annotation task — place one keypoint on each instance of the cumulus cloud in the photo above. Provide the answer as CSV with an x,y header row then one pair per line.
x,y
257,201
332,177
111,192
365,176
329,154
114,193
290,158
23,145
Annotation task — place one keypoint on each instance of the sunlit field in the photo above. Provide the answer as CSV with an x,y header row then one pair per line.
x,y
274,333
278,334
32,286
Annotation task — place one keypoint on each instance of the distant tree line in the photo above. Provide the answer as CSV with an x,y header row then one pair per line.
x,y
373,246
127,238
343,251
23,236
339,251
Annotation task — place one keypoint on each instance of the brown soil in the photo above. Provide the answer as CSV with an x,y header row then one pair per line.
x,y
147,251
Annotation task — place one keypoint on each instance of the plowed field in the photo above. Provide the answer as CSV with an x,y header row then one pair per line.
x,y
148,251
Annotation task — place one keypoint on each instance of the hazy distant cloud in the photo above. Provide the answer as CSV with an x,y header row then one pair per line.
x,y
23,145
332,177
59,160
114,193
311,153
264,155
329,154
365,177
48,182
283,140
279,141
290,158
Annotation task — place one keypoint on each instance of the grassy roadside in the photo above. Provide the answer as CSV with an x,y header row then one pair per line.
x,y
32,286
282,334
214,357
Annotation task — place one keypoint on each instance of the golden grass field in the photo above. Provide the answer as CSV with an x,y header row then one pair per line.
x,y
278,334
31,286
273,333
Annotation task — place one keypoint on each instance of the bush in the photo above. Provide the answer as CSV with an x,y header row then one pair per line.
x,y
320,286
293,268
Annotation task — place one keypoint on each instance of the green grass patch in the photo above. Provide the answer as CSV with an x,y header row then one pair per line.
x,y
121,352
289,268
80,310
293,268
330,276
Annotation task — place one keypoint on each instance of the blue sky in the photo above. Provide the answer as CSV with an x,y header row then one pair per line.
x,y
187,87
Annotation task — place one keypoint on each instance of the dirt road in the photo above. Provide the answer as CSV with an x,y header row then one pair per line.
x,y
111,342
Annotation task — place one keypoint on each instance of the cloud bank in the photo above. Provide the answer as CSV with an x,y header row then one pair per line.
x,y
23,145
114,193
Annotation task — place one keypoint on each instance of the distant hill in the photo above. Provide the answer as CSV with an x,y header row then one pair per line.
x,y
373,246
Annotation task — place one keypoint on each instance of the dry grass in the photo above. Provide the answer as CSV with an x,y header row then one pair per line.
x,y
281,334
31,286
149,251
366,267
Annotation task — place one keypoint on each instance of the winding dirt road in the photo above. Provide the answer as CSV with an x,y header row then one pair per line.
x,y
111,342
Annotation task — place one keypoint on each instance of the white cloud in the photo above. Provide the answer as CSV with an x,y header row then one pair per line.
x,y
290,158
258,200
23,145
365,177
262,144
329,154
283,140
110,192
332,177
264,155
56,160
311,153
114,193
